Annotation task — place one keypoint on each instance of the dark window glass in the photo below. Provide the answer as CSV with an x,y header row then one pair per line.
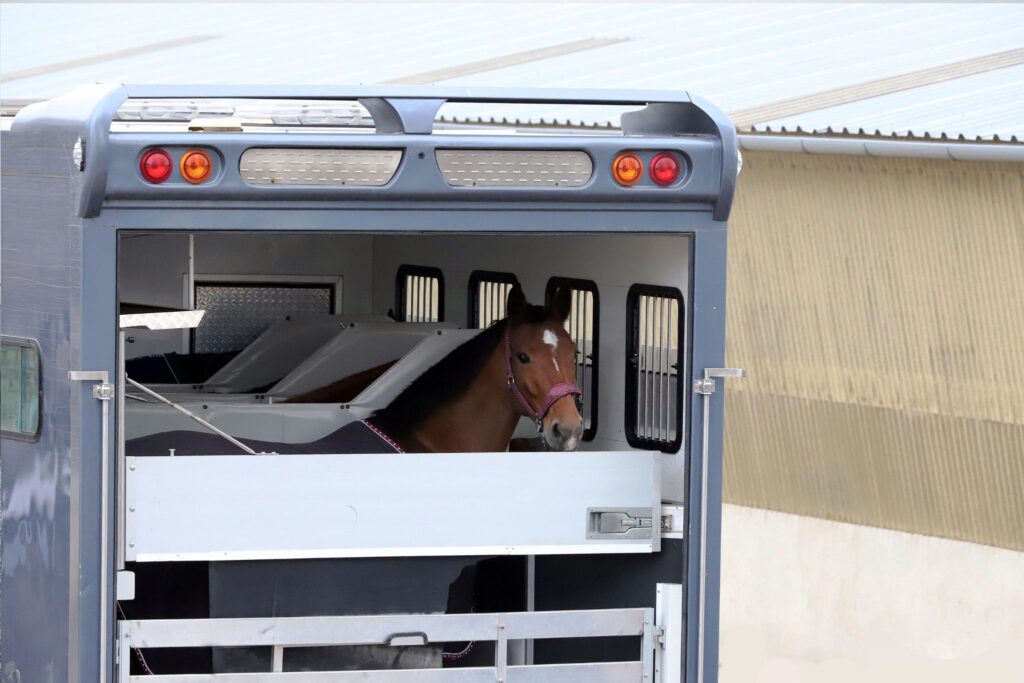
x,y
419,294
488,296
654,368
20,396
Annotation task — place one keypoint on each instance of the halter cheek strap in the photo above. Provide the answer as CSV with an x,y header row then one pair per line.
x,y
556,392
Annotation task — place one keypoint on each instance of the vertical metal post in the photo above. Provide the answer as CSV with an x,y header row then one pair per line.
x,y
706,387
191,271
501,651
190,289
647,646
531,599
124,653
668,646
119,470
103,391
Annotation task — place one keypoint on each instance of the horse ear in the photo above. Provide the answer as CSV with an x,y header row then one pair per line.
x,y
561,304
516,304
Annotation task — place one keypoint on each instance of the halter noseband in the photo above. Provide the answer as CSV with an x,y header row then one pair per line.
x,y
556,392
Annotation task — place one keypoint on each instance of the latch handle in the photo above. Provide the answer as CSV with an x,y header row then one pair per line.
x,y
417,639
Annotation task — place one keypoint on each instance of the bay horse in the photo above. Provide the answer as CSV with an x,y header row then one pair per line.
x,y
469,401
472,400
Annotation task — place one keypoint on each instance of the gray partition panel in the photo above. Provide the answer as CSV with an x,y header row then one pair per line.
x,y
379,505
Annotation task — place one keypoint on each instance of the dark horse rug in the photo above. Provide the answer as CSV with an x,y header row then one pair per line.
x,y
355,437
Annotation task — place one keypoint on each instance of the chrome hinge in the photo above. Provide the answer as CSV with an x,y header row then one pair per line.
x,y
609,523
659,636
103,391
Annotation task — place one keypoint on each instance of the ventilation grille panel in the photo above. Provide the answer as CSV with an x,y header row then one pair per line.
x,y
289,166
514,168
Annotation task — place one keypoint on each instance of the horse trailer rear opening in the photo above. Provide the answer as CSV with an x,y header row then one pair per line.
x,y
328,380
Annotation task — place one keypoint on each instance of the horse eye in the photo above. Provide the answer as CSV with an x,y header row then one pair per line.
x,y
523,358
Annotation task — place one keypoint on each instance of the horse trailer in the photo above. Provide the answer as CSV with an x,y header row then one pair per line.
x,y
277,406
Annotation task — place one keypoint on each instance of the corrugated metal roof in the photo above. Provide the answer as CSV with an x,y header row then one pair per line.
x,y
741,56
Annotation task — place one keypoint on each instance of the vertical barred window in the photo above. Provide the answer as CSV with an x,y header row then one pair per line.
x,y
419,294
20,389
654,368
583,326
488,296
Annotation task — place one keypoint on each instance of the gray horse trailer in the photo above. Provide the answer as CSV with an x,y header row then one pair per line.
x,y
186,259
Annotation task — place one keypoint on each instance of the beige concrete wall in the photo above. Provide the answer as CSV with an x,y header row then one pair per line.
x,y
878,305
810,600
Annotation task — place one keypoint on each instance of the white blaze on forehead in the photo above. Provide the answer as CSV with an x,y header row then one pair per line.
x,y
551,339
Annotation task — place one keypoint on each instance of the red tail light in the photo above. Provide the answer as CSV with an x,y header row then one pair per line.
x,y
156,165
664,169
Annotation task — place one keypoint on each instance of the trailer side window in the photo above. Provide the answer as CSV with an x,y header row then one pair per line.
x,y
419,294
20,389
654,368
488,295
237,313
583,326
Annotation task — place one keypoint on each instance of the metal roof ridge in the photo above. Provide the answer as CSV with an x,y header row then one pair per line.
x,y
869,147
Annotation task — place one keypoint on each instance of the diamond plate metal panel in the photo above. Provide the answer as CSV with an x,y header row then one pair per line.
x,y
237,314
507,168
361,167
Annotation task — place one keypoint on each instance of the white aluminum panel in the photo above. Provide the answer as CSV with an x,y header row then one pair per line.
x,y
361,347
290,166
280,349
169,320
594,672
514,168
668,656
377,505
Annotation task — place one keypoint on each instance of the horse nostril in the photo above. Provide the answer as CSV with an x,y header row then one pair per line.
x,y
556,428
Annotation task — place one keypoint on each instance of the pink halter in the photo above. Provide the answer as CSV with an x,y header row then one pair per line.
x,y
556,392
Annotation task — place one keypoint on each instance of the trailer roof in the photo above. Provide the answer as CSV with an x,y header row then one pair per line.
x,y
918,71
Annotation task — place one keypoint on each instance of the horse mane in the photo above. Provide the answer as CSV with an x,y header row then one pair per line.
x,y
447,379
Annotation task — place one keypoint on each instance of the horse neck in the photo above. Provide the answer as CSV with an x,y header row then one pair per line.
x,y
480,419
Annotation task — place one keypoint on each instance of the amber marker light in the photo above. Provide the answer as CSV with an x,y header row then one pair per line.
x,y
627,169
196,166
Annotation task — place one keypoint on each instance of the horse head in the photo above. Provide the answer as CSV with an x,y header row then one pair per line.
x,y
541,367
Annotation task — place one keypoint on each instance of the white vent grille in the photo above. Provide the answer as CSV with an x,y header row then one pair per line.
x,y
360,167
514,168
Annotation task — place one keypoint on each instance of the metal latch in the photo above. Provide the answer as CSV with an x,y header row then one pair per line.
x,y
103,391
706,385
621,522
